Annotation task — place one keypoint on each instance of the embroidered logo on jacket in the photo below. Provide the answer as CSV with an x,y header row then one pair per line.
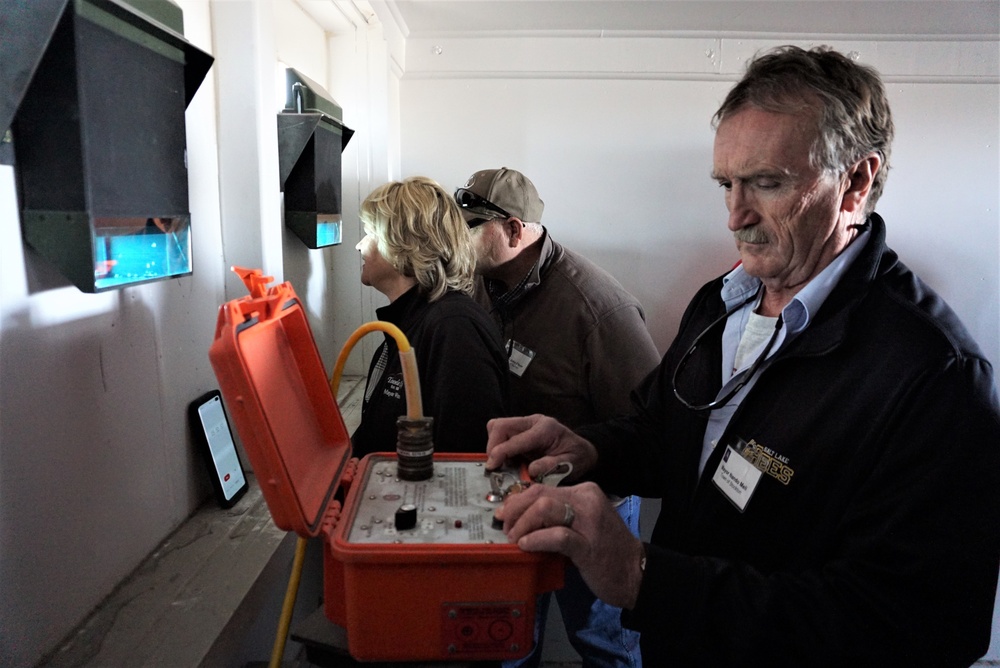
x,y
768,461
394,386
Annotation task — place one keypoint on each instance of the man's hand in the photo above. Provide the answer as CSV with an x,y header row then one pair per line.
x,y
580,523
540,438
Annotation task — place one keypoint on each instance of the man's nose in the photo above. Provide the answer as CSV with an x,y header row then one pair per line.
x,y
741,208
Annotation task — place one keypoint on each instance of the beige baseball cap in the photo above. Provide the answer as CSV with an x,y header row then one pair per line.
x,y
505,188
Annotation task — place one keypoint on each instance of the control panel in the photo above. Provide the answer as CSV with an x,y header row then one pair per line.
x,y
455,505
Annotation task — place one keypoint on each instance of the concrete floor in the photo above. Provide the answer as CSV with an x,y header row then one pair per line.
x,y
557,651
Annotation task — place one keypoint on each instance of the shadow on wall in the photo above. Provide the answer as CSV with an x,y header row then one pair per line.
x,y
85,489
329,282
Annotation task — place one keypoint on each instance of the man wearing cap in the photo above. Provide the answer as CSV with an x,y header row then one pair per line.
x,y
577,344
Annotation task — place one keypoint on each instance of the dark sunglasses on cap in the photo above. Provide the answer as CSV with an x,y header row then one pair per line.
x,y
469,200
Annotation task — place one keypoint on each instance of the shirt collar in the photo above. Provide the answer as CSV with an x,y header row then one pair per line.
x,y
738,286
530,281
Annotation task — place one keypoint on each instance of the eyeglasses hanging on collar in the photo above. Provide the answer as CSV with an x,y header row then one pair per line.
x,y
723,400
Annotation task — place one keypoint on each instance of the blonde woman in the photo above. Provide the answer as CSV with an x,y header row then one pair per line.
x,y
417,251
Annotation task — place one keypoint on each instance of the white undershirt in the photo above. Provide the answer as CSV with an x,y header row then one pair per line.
x,y
758,332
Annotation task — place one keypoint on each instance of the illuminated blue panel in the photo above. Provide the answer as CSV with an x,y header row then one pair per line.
x,y
124,255
327,230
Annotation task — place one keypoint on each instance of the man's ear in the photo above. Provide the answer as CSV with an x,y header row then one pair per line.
x,y
515,231
859,179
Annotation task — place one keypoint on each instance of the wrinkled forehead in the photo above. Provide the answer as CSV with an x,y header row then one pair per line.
x,y
751,138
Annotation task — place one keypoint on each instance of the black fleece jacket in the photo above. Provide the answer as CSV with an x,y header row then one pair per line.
x,y
462,367
873,536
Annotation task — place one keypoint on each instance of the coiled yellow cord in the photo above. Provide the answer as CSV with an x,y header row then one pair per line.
x,y
414,409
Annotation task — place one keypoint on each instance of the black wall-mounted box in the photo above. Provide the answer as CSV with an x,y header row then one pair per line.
x,y
99,140
311,138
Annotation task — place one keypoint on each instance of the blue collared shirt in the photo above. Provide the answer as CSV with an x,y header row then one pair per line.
x,y
738,286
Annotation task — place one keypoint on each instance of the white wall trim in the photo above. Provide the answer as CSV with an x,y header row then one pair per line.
x,y
686,58
659,76
702,34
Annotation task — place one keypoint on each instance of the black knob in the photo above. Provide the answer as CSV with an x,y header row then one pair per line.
x,y
406,517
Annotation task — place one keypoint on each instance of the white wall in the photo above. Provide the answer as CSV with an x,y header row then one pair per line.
x,y
617,140
96,464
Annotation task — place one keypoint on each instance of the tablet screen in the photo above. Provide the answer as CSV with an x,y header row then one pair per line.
x,y
221,447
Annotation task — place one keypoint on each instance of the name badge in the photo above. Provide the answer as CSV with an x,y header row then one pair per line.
x,y
736,477
520,357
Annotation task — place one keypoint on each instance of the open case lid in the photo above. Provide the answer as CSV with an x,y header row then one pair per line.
x,y
273,382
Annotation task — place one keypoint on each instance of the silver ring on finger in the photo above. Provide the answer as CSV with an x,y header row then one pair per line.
x,y
569,516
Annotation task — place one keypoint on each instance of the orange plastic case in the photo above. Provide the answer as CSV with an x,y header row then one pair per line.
x,y
400,601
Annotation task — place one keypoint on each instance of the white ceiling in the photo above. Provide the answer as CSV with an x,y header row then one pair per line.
x,y
849,17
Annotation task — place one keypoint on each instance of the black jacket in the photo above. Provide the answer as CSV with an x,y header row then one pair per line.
x,y
874,537
462,368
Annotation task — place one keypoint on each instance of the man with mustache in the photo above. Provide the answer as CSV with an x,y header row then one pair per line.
x,y
823,432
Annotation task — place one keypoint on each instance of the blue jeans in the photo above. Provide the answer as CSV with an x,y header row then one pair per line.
x,y
593,627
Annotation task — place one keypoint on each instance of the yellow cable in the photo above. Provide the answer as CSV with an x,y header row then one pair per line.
x,y
285,621
411,380
414,409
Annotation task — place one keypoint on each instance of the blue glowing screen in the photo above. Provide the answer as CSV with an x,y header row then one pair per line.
x,y
147,250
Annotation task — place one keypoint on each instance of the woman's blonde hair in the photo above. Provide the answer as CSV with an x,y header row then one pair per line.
x,y
420,231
